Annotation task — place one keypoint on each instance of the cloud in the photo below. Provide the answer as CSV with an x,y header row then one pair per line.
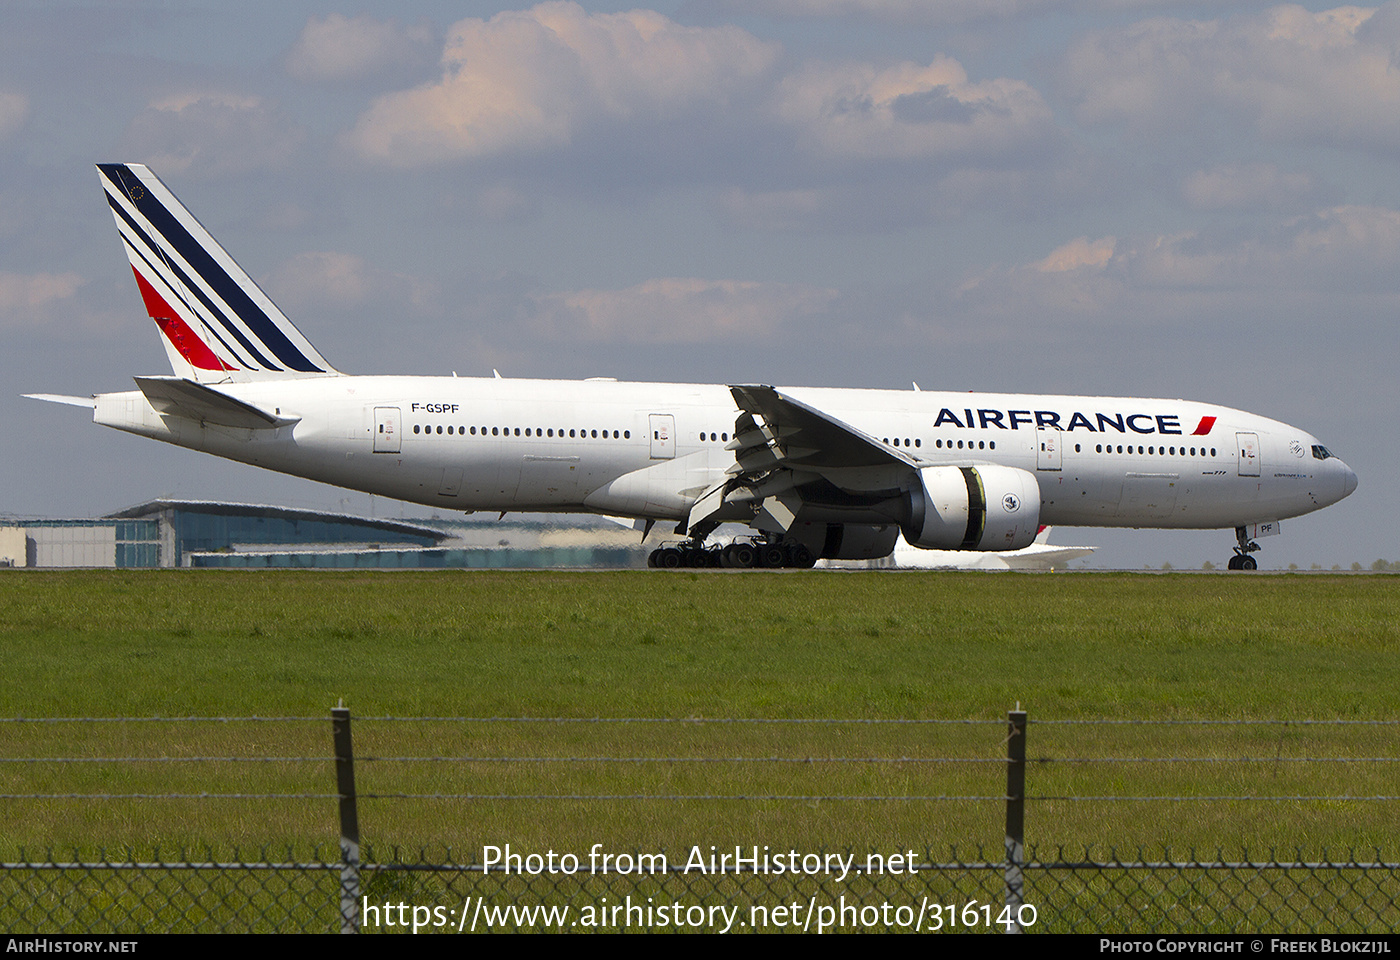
x,y
1344,254
212,135
677,310
1076,255
25,297
339,48
910,111
1290,74
529,80
598,102
14,112
1246,186
321,280
923,13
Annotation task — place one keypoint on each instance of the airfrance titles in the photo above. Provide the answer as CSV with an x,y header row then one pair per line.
x,y
1096,422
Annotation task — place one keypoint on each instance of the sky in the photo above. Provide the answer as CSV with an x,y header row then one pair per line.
x,y
1091,197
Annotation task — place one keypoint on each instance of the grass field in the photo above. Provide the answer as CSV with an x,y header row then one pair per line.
x,y
700,646
692,645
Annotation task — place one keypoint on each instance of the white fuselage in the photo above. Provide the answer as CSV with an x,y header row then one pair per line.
x,y
649,450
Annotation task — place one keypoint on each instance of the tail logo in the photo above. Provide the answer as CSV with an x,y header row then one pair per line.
x,y
212,314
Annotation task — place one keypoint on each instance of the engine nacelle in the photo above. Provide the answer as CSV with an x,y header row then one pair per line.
x,y
856,541
845,541
986,507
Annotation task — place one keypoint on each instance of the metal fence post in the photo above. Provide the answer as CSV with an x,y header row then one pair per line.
x,y
349,821
1015,813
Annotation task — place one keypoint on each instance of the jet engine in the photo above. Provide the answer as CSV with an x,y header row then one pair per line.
x,y
986,507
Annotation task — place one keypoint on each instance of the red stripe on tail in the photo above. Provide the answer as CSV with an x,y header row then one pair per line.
x,y
186,341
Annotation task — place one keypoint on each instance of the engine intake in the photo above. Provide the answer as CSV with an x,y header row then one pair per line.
x,y
986,507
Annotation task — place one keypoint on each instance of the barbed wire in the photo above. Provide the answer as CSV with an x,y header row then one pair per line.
x,y
394,719
716,720
166,759
1000,761
171,796
161,719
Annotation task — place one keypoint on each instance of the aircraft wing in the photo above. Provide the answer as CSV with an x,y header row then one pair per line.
x,y
788,455
803,436
195,401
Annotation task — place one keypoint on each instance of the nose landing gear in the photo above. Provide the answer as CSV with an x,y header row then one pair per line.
x,y
1242,559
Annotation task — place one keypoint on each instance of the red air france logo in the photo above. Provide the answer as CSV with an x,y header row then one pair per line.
x,y
1203,427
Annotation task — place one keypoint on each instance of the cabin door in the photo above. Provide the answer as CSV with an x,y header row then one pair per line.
x,y
1047,448
663,436
1248,446
386,429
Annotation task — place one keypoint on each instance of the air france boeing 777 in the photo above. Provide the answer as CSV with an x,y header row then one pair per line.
x,y
836,473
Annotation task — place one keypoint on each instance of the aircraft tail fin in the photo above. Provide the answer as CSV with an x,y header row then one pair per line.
x,y
217,324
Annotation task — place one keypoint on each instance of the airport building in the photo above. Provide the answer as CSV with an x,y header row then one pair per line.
x,y
192,533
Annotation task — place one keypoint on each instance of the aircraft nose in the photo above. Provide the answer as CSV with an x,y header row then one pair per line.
x,y
1348,480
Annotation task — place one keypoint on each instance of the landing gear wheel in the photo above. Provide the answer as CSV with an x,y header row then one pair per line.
x,y
773,555
740,555
1242,559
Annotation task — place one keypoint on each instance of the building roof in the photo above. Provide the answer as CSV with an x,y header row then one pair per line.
x,y
153,508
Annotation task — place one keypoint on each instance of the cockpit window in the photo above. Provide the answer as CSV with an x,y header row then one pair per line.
x,y
1321,453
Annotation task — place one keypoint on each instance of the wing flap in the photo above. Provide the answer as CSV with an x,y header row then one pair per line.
x,y
826,441
773,478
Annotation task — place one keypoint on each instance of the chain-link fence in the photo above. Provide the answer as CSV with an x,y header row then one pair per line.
x,y
1032,887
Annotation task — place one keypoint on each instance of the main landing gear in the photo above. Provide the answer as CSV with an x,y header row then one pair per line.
x,y
741,554
1242,559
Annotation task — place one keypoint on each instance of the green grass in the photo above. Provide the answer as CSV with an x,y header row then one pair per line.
x,y
698,646
695,644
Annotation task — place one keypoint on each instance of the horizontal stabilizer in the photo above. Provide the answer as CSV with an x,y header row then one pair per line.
x,y
195,401
88,402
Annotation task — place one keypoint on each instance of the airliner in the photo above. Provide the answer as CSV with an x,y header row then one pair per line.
x,y
813,472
